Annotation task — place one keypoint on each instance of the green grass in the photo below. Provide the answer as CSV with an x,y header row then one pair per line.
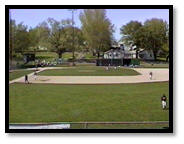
x,y
89,56
149,65
48,56
89,71
19,73
32,103
67,55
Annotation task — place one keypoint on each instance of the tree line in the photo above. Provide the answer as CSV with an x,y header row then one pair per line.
x,y
95,35
152,35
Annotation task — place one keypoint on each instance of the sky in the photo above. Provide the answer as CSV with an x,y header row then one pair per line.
x,y
118,17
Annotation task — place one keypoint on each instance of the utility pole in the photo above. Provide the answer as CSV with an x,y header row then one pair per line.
x,y
73,34
73,37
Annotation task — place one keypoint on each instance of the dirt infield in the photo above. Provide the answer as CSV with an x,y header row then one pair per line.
x,y
159,75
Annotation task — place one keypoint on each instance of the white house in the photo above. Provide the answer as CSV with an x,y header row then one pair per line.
x,y
146,54
120,52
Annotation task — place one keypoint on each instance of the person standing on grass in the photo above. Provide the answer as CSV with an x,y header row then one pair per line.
x,y
26,79
164,101
151,75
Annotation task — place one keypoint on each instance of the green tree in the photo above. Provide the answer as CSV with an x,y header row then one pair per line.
x,y
132,33
57,39
12,28
97,30
21,38
61,36
39,35
165,49
78,39
155,35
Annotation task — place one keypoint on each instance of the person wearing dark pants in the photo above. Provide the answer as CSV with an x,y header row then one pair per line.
x,y
26,79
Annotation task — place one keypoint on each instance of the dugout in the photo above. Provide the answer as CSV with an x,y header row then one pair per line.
x,y
117,62
107,62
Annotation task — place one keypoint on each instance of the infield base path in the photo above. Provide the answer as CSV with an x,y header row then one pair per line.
x,y
159,75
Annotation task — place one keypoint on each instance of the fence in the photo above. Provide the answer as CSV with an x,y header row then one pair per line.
x,y
117,62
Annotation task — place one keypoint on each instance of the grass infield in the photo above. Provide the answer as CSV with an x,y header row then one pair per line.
x,y
34,103
90,71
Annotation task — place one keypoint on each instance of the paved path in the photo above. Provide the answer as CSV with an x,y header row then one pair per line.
x,y
159,75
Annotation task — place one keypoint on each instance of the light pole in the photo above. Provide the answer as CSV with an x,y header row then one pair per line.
x,y
73,47
73,36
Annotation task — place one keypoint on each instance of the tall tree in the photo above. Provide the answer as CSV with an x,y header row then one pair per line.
x,y
97,29
150,36
39,35
165,49
78,38
132,34
155,35
21,38
12,27
58,38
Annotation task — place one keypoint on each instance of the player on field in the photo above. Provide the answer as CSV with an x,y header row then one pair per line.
x,y
164,101
151,75
26,79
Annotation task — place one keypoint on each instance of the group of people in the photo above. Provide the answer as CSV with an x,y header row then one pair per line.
x,y
108,67
44,63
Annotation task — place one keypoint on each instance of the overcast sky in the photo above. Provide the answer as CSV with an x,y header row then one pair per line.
x,y
118,17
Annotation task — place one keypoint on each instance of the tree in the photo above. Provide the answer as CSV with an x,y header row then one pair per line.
x,y
132,34
39,35
12,26
150,36
97,30
165,49
21,38
155,35
57,36
78,38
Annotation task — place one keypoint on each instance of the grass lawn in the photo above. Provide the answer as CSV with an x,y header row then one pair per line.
x,y
19,73
149,65
48,56
89,71
31,103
